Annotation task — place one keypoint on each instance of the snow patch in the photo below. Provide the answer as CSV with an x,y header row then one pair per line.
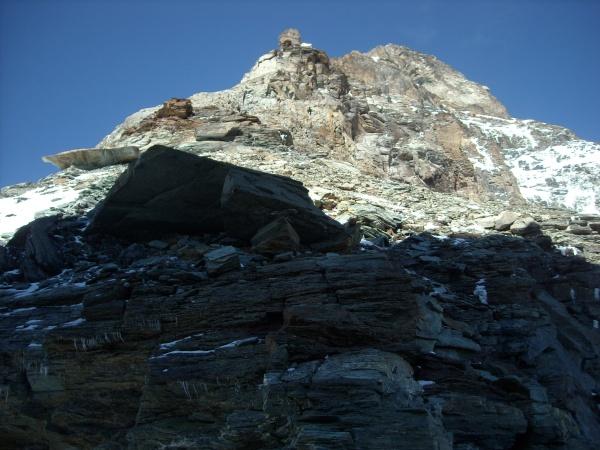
x,y
550,164
480,291
73,323
233,344
18,211
168,345
568,250
484,161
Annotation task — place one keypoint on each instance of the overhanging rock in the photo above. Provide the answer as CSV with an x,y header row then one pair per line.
x,y
93,158
168,190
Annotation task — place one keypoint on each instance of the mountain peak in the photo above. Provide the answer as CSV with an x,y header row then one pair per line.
x,y
397,113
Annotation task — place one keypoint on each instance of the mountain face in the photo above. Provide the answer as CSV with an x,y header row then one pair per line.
x,y
356,253
397,114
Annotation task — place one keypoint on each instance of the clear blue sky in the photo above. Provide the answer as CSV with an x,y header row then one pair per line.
x,y
70,70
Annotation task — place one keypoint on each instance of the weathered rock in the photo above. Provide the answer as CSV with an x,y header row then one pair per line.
x,y
41,256
158,244
216,131
397,114
176,107
524,226
222,260
276,237
504,220
481,422
579,229
93,158
172,191
5,260
373,350
487,222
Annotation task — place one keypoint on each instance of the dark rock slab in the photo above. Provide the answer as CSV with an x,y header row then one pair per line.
x,y
276,237
167,190
40,254
5,259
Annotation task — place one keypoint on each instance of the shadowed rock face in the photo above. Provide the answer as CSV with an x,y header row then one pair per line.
x,y
168,190
377,350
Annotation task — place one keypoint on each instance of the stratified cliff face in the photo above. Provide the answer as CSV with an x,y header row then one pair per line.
x,y
333,254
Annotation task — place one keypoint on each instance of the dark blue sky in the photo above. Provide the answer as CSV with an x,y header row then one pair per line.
x,y
70,70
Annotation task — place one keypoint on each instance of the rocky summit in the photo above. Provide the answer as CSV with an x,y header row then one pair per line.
x,y
365,252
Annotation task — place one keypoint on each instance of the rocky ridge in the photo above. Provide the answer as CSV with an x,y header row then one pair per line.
x,y
394,113
466,322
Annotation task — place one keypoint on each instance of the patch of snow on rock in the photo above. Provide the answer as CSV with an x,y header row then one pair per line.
x,y
552,166
480,291
18,211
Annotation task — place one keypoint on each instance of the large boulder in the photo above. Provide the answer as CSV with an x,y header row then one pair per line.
x,y
40,256
217,131
168,190
93,158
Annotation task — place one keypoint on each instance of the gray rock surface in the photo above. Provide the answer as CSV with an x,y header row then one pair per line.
x,y
276,237
93,158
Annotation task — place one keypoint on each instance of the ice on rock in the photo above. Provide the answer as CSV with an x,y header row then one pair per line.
x,y
480,291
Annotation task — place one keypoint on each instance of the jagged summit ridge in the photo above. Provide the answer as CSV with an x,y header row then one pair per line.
x,y
396,113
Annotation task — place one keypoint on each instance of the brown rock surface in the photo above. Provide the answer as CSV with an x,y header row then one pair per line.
x,y
176,107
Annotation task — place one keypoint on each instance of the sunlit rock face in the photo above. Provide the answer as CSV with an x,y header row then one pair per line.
x,y
93,158
399,114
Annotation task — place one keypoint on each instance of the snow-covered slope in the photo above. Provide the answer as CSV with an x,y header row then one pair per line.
x,y
68,192
552,166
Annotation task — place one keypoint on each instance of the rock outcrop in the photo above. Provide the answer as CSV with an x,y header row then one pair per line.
x,y
398,114
93,158
168,190
176,107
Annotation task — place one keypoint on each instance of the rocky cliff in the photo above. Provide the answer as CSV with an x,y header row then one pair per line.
x,y
392,112
333,254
